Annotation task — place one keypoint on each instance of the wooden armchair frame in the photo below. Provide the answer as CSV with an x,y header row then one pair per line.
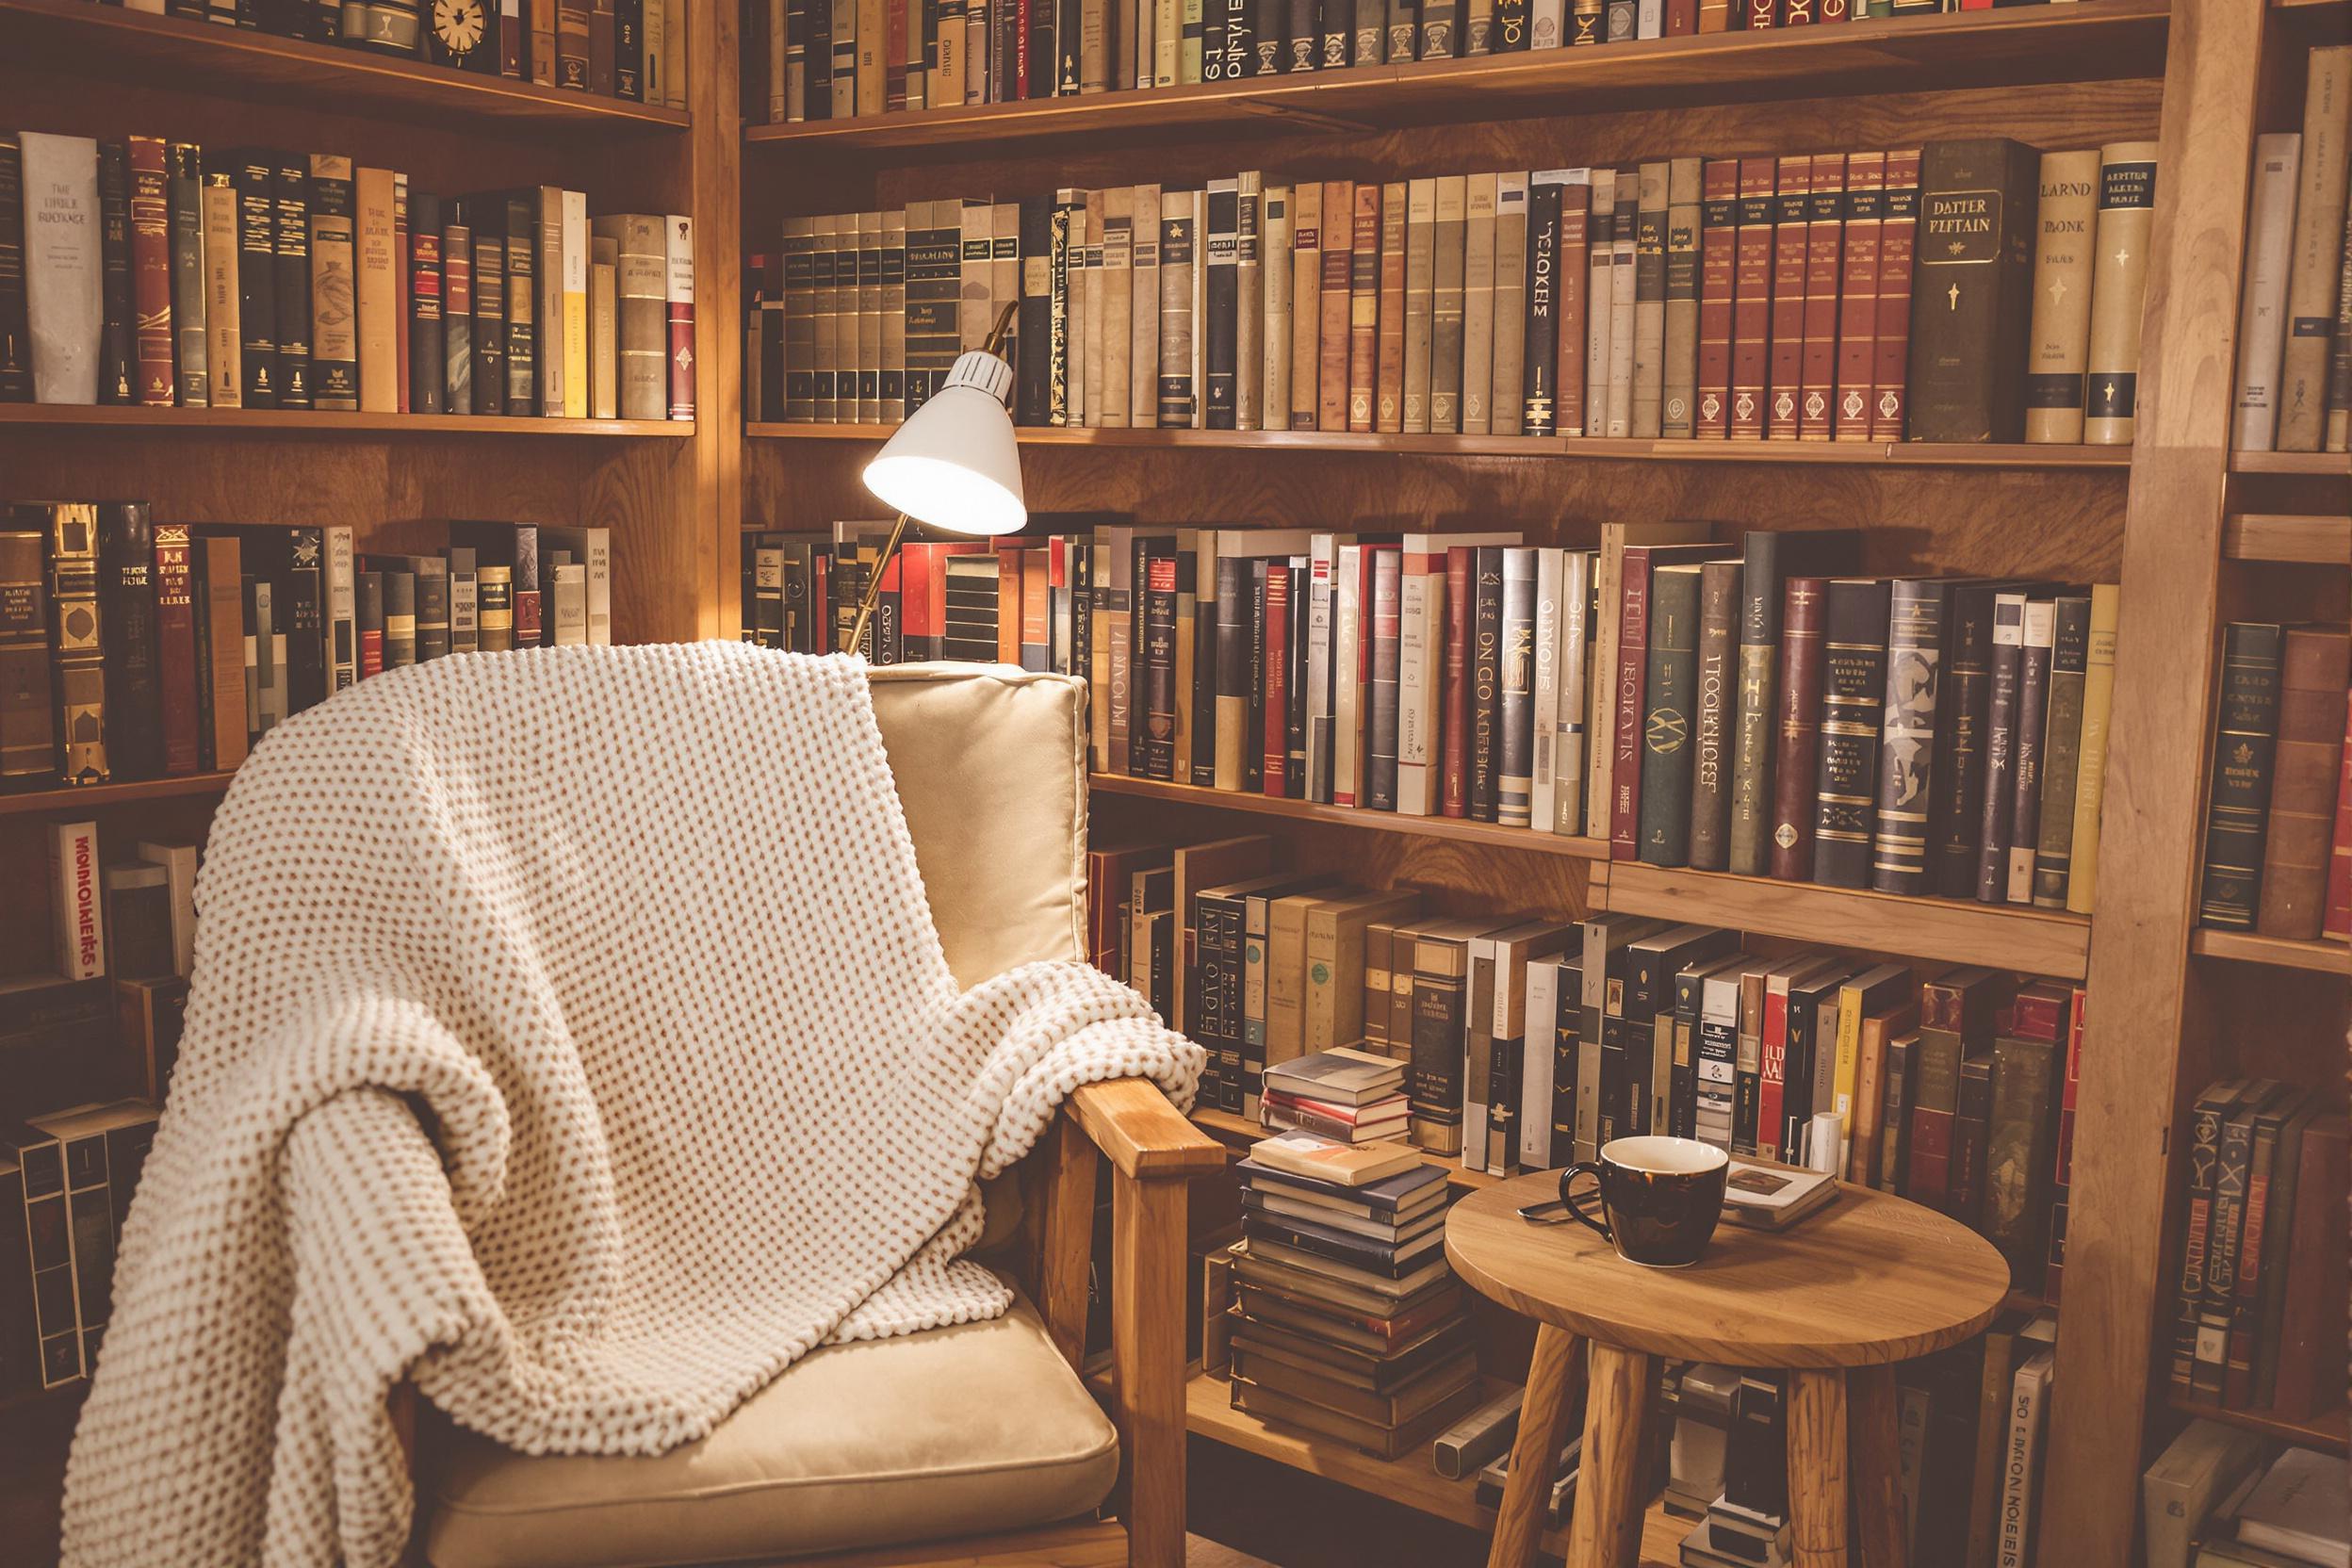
x,y
1153,1154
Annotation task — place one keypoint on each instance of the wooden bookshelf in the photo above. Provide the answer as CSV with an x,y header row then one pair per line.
x,y
2321,465
143,49
2325,1431
1453,828
2244,947
98,797
2305,541
2109,39
278,421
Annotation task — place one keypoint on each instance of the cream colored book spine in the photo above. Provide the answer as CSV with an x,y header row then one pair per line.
x,y
376,284
1446,310
2312,279
1601,269
2126,227
1477,305
2261,313
1085,296
1420,300
1249,304
1621,291
874,20
642,320
1143,380
1649,295
1306,300
1274,242
2058,342
1167,36
1178,209
976,294
1339,230
604,338
1679,376
1505,403
225,324
1118,300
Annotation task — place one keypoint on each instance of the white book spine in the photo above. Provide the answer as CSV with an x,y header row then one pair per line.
x,y
1346,691
1568,720
1476,1079
1542,807
2262,320
1419,588
2020,1456
1621,333
342,611
1546,20
1600,262
62,293
1650,20
1535,1066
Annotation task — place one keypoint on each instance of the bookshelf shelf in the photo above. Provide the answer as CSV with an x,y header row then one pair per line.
x,y
1347,816
215,421
94,797
2336,464
2279,952
2108,39
1901,453
2325,1432
137,48
2032,941
2307,541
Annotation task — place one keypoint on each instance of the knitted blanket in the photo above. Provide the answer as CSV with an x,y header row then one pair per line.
x,y
570,1037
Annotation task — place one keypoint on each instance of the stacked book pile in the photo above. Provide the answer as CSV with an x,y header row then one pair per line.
x,y
1347,1321
1345,1095
2278,818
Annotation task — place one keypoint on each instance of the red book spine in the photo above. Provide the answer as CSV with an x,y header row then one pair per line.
x,y
1682,17
1763,13
1719,240
2339,922
916,567
1792,259
1857,296
681,318
1835,10
1454,798
1576,216
1277,737
1795,759
1752,300
1927,1154
1825,235
175,647
1796,13
1009,598
1895,236
1633,658
151,272
1772,1074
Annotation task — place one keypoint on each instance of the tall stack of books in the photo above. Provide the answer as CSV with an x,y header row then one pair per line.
x,y
2278,812
1345,1095
1347,1321
1849,296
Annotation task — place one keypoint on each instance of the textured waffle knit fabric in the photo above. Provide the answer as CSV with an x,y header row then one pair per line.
x,y
569,1036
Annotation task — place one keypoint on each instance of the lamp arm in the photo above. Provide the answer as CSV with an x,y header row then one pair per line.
x,y
995,345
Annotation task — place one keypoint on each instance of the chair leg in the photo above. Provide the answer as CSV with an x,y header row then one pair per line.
x,y
1604,1532
1553,1382
1872,1414
1148,1364
1818,1468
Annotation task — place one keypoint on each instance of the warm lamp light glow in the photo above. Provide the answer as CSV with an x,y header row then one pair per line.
x,y
953,464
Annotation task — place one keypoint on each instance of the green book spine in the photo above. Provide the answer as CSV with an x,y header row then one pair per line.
x,y
1673,685
2062,750
2245,741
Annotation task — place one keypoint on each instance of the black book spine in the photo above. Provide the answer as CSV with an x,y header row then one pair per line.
x,y
1371,33
427,371
2245,744
1068,26
126,609
490,311
1253,714
818,97
628,49
335,358
1907,748
1305,39
290,209
2001,750
1962,695
256,275
1713,728
457,312
1222,295
298,606
1511,27
1154,743
1539,408
1670,688
1004,52
1854,692
1033,344
1239,44
1486,682
115,382
522,273
16,348
1335,23
1267,54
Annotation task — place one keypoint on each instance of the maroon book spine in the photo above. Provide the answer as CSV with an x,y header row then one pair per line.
x,y
1763,13
1858,293
175,647
151,272
1824,237
1752,300
1276,738
1971,1135
1454,798
1791,260
1631,675
1897,233
681,318
1797,756
1719,243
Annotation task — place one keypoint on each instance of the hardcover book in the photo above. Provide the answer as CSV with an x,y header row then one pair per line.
x,y
1854,692
2126,229
1971,289
2059,342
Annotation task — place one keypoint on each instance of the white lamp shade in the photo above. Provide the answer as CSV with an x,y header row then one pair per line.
x,y
954,465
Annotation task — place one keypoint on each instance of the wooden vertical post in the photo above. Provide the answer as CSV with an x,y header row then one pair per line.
x,y
1148,1364
1066,1233
1817,1468
1553,1378
710,489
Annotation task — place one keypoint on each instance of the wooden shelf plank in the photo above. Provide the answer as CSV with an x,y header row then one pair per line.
x,y
2032,941
2338,465
2325,1432
2107,39
2277,951
1905,454
2271,536
215,422
1349,816
108,44
94,797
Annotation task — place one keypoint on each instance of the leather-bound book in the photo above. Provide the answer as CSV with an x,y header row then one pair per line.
x,y
1623,301
2317,260
1334,301
1232,669
1364,307
1507,375
1143,299
457,318
16,348
2020,1153
1963,702
1671,688
1223,229
1573,300
1970,290
1033,340
2058,343
2098,687
1515,723
2337,922
1600,315
62,275
489,232
1752,297
1486,682
296,568
1914,632
377,326
2127,222
573,24
1420,300
1446,310
1797,736
1270,738
1478,304
1155,738
2025,819
1971,1128
2004,708
1250,303
155,379
2246,743
76,636
1276,213
126,610
523,337
1388,390
1539,401
333,286
1854,696
1179,210
1792,262
1649,299
1306,301
1955,1023
1858,293
2313,672
118,369
1898,236
1824,229
1381,663
427,390
28,731
1677,414
1753,708
289,184
1718,273
1461,633
2062,748
220,739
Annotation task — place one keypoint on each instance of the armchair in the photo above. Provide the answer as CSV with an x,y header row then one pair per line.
x,y
974,1444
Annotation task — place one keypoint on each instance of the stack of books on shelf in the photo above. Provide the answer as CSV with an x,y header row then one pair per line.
x,y
816,60
1347,1321
1686,298
627,49
2278,812
66,1181
2218,1499
2262,1274
2295,323
134,649
1344,1095
161,274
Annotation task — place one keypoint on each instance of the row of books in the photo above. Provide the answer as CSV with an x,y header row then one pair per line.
x,y
819,59
66,1181
2295,323
2278,808
2258,1320
160,277
1748,297
135,649
628,49
2219,1497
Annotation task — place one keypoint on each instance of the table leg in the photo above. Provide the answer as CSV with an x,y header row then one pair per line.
x,y
1872,1414
1543,1416
1605,1530
1818,1467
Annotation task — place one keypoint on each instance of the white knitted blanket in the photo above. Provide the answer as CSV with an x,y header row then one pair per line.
x,y
569,1036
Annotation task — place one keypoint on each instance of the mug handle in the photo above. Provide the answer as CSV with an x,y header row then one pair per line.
x,y
1575,1209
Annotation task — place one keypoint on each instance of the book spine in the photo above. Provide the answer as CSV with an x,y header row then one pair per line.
x,y
256,280
2000,748
1272,738
1223,230
1486,684
1335,301
1971,1128
2223,1236
155,378
1477,305
1665,794
1385,656
1717,698
1975,264
1907,750
1792,259
1446,304
1516,741
1177,230
290,222
1623,301
1388,390
1718,246
1824,214
2025,829
1364,308
1752,707
2061,750
2098,688
1573,305
1143,307
2338,923
1249,315
16,349
522,315
457,320
1678,414
334,287
1624,770
1898,235
2315,260
117,365
1420,301
1853,695
1506,378
428,386
1752,300
1454,777
126,609
1797,740
1956,809
2246,740
77,647
1539,404
2060,341
2126,229
1858,293
28,726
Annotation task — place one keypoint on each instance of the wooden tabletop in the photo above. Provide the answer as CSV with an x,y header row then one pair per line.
x,y
1871,1278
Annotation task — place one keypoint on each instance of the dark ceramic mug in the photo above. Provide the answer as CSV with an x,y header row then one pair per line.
x,y
1660,1197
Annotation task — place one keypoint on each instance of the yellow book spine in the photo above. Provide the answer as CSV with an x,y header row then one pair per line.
x,y
576,369
2090,779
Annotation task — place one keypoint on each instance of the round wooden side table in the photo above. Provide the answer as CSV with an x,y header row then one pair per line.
x,y
1835,1301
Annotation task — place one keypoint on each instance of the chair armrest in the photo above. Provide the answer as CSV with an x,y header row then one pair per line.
x,y
1143,1136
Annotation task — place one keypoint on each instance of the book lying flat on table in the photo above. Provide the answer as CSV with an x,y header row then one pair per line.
x,y
1774,1197
1342,1164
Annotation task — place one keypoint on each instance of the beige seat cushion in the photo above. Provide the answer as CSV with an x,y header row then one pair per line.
x,y
954,1431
